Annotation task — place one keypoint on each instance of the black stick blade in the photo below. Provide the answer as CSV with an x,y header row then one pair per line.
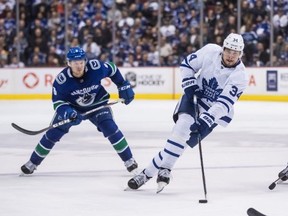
x,y
254,212
25,131
272,186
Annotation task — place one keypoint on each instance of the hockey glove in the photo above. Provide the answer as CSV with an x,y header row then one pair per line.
x,y
200,129
191,87
126,92
73,115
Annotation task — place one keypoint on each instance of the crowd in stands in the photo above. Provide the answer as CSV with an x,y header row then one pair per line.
x,y
43,37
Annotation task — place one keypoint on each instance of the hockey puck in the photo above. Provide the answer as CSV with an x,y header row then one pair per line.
x,y
203,201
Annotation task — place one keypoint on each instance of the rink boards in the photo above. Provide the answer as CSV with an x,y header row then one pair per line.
x,y
264,84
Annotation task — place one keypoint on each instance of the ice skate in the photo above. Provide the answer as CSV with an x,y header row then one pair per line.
x,y
28,168
131,165
163,179
138,180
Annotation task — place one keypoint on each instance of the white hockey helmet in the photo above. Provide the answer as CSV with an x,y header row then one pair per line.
x,y
234,42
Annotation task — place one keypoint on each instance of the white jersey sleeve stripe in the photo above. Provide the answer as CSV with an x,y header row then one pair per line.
x,y
186,64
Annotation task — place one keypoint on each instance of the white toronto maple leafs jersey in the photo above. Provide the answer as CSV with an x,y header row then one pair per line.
x,y
220,86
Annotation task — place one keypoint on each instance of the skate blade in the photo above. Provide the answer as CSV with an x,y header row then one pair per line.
x,y
23,174
161,186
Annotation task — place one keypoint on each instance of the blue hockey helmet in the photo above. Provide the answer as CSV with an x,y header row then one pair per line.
x,y
75,53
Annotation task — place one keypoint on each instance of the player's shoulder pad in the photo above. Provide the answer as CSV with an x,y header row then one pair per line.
x,y
94,64
112,66
209,51
62,76
210,47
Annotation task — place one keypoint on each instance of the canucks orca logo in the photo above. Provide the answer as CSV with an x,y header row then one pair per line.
x,y
86,99
211,90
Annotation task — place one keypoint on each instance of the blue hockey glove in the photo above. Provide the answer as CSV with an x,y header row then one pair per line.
x,y
191,87
126,92
73,115
200,129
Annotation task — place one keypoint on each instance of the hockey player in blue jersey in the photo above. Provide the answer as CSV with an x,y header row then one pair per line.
x,y
217,77
77,89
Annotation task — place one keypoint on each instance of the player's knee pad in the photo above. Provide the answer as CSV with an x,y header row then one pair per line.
x,y
56,134
101,115
103,120
181,130
108,127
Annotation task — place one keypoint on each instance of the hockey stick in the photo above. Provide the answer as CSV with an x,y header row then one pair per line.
x,y
273,185
66,121
282,176
196,110
254,212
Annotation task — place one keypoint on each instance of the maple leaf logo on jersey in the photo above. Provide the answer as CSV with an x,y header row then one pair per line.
x,y
210,89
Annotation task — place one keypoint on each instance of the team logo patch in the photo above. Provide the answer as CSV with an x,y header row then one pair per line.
x,y
86,99
211,90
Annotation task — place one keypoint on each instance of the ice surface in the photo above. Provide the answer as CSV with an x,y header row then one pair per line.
x,y
83,176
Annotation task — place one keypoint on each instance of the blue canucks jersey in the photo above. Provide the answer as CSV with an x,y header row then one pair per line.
x,y
85,93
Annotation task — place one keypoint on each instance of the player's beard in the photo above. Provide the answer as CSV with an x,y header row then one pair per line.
x,y
229,62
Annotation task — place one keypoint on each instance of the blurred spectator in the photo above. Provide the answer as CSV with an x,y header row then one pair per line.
x,y
54,59
85,29
263,55
194,38
145,62
37,58
15,63
103,36
219,11
125,20
167,30
181,49
262,29
91,47
3,56
231,25
130,61
280,21
280,50
74,42
165,50
259,9
153,55
42,25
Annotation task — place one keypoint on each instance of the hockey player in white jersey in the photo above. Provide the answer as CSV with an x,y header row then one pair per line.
x,y
216,75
